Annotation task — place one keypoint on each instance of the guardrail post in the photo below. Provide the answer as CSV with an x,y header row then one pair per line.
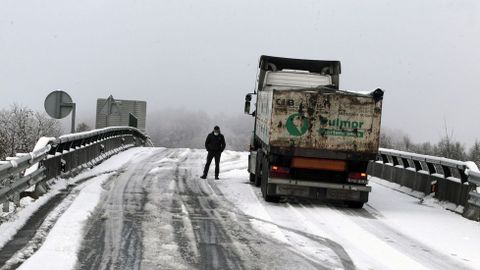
x,y
463,175
63,165
446,171
472,207
418,165
431,168
395,161
405,163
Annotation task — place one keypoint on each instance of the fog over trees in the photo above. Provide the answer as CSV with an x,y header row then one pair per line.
x,y
183,128
447,146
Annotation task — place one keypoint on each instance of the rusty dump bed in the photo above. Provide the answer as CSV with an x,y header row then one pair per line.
x,y
320,119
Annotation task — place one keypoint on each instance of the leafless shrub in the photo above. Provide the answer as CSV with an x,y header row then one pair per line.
x,y
20,129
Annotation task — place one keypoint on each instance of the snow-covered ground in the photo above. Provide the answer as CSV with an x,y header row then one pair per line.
x,y
83,199
393,231
181,215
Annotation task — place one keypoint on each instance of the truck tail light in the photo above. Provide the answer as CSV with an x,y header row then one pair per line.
x,y
277,171
357,177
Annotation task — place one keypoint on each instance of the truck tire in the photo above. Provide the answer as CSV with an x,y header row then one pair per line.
x,y
258,168
355,205
264,187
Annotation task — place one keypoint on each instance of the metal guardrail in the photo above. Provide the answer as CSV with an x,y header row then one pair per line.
x,y
26,174
473,212
449,180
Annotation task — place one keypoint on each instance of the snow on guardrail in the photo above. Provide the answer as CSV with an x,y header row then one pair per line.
x,y
52,157
448,179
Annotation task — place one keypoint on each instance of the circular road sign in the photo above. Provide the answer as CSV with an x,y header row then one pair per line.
x,y
58,104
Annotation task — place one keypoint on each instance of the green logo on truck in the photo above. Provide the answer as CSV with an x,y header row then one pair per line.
x,y
292,126
341,128
297,125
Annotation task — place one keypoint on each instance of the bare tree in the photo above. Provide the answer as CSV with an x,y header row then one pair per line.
x,y
83,127
449,148
20,129
425,148
386,141
406,143
474,153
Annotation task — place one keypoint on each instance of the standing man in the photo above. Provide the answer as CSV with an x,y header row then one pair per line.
x,y
215,144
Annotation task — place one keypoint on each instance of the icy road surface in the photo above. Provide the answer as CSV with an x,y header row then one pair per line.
x,y
156,213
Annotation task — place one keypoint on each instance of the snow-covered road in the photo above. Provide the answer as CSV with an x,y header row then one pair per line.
x,y
155,213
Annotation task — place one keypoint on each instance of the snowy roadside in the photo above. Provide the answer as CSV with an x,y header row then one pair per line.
x,y
59,251
428,221
17,219
428,200
21,215
401,230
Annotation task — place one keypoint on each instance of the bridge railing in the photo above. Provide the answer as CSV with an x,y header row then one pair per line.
x,y
27,174
447,179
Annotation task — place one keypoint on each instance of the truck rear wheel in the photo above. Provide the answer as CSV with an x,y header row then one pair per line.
x,y
252,178
264,187
258,168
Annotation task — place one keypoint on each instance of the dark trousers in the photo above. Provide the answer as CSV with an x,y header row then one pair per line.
x,y
210,156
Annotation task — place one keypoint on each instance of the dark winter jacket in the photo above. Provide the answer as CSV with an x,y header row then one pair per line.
x,y
215,143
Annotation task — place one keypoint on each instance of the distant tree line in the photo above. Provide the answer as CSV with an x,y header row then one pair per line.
x,y
21,127
447,147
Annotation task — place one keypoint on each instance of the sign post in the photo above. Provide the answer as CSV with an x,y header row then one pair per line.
x,y
59,105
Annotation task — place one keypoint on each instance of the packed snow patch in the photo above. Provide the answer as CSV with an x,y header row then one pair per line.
x,y
18,217
59,251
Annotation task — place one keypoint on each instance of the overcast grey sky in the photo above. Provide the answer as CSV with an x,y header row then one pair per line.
x,y
202,55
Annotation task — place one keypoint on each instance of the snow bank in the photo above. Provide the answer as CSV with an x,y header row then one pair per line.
x,y
428,222
42,142
59,251
16,220
27,207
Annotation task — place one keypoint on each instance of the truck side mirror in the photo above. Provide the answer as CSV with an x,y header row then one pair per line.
x,y
248,98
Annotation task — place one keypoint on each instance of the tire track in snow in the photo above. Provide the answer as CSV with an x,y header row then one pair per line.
x,y
210,234
224,236
32,235
113,235
184,222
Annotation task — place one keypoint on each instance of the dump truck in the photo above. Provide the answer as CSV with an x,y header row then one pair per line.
x,y
310,139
